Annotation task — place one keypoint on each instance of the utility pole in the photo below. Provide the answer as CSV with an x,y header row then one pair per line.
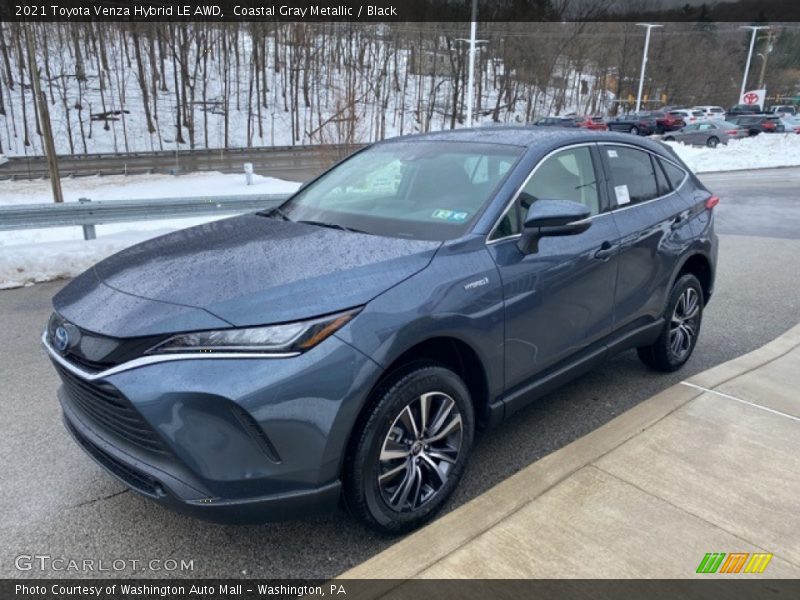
x,y
473,32
44,120
764,58
755,29
649,27
471,85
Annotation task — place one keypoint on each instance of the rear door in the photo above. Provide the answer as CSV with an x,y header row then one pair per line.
x,y
651,217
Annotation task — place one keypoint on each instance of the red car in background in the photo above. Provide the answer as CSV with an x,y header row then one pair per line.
x,y
668,121
595,123
582,121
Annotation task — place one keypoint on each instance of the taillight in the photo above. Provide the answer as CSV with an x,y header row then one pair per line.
x,y
732,131
769,125
712,202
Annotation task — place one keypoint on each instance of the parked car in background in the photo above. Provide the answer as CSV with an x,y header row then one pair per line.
x,y
668,121
708,133
711,112
594,123
784,109
791,123
760,123
742,109
550,122
642,123
689,116
581,121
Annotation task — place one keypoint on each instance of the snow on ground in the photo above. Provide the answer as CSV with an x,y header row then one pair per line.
x,y
758,152
36,255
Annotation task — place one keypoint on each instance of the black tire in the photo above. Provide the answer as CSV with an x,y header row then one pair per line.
x,y
634,130
669,138
425,463
712,142
681,327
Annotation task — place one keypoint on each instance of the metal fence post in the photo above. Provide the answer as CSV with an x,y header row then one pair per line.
x,y
89,232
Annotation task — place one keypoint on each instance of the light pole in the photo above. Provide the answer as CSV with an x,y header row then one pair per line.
x,y
473,32
649,27
755,29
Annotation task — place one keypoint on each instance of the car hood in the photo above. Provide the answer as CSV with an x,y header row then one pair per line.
x,y
244,271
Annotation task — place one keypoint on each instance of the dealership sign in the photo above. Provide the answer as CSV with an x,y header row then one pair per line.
x,y
754,98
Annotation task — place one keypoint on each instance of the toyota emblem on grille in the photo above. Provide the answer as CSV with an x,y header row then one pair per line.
x,y
61,338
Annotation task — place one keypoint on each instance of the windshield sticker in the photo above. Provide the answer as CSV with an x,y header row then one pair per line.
x,y
612,153
623,197
450,215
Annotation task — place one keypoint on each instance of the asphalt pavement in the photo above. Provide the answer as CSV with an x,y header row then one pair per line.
x,y
55,501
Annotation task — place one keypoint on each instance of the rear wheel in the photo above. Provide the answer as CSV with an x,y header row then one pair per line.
x,y
669,138
683,316
409,453
712,142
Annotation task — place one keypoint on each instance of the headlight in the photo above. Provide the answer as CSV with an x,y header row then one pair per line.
x,y
288,338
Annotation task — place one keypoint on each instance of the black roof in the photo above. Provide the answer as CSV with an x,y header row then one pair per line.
x,y
528,136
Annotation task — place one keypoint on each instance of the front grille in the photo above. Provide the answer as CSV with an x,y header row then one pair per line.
x,y
134,478
110,410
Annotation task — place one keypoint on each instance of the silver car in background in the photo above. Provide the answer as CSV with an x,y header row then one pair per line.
x,y
707,133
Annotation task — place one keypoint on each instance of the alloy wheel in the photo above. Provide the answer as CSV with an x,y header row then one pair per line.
x,y
419,451
685,322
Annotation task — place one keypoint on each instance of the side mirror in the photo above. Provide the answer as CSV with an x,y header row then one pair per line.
x,y
551,218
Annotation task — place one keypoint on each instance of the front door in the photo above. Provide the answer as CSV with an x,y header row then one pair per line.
x,y
559,299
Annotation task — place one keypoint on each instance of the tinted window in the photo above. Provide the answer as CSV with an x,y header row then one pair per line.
x,y
421,190
632,175
568,175
674,174
664,186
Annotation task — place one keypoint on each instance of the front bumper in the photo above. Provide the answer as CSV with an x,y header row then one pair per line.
x,y
227,440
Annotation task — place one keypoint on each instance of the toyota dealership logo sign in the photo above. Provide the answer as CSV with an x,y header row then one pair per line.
x,y
754,98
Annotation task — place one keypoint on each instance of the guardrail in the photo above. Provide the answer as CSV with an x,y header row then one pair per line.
x,y
88,214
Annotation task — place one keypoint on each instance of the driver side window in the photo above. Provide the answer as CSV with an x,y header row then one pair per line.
x,y
567,175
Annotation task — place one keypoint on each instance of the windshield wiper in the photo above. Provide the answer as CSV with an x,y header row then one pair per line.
x,y
335,226
271,212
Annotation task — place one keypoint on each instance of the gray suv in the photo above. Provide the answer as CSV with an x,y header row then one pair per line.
x,y
348,345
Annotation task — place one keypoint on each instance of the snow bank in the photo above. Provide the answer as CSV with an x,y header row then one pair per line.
x,y
759,152
37,255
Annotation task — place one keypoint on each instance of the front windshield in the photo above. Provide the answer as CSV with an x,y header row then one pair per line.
x,y
428,190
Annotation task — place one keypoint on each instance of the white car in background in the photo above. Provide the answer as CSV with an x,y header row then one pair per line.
x,y
791,123
689,116
711,112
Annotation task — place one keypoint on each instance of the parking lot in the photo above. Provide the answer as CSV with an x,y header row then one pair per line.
x,y
55,501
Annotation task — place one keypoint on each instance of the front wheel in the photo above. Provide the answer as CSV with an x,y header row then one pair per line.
x,y
409,452
712,142
634,130
669,138
683,316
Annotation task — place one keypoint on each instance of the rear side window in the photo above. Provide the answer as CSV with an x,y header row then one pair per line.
x,y
633,176
675,174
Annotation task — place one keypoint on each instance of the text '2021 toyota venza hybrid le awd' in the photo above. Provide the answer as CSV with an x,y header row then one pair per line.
x,y
347,345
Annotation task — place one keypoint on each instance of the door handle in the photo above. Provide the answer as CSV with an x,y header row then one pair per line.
x,y
605,251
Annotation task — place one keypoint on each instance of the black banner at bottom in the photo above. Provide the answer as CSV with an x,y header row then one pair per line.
x,y
711,588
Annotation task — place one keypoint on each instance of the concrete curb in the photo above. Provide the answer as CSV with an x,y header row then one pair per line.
x,y
414,554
